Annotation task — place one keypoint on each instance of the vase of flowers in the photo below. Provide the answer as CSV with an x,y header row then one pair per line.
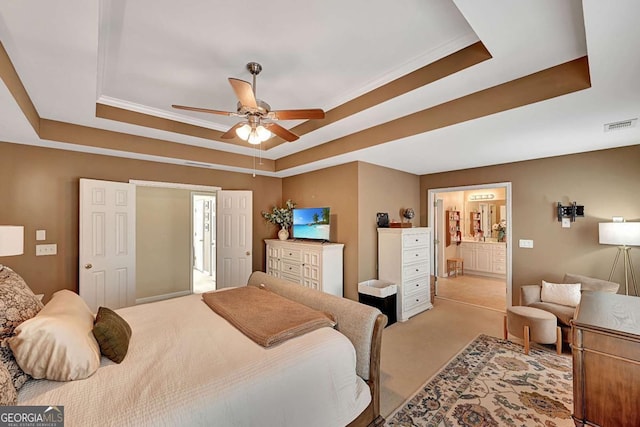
x,y
501,229
281,217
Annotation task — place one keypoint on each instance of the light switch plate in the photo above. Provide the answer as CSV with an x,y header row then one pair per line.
x,y
566,222
51,249
523,243
41,234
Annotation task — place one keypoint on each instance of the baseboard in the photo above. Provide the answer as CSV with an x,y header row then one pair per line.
x,y
162,297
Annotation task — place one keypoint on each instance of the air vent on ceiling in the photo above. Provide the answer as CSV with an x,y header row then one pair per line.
x,y
624,124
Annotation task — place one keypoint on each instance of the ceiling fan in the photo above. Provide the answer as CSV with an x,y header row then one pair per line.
x,y
259,124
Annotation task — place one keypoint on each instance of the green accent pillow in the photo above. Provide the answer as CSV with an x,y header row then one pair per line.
x,y
112,333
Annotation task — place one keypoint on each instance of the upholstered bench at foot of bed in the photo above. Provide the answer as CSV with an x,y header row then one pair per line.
x,y
532,324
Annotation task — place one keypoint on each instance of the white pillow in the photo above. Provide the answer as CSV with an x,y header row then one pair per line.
x,y
561,293
57,344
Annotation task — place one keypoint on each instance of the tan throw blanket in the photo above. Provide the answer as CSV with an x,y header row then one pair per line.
x,y
265,317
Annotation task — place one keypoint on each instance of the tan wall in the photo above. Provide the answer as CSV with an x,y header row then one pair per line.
x,y
39,188
336,187
163,241
381,189
605,182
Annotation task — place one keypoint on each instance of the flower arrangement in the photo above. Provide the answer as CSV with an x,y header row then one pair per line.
x,y
501,228
282,217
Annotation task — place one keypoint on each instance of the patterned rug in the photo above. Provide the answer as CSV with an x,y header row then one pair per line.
x,y
492,383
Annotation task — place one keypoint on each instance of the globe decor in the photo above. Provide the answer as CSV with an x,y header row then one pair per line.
x,y
282,217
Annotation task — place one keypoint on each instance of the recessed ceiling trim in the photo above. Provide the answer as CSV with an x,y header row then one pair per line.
x,y
139,108
92,137
449,65
142,116
408,67
556,81
13,82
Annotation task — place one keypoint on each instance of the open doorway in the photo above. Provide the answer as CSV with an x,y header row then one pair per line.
x,y
203,242
472,260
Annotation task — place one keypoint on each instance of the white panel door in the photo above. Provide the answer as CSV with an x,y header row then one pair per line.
x,y
107,252
234,238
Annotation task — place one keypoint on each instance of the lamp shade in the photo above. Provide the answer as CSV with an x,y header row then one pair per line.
x,y
11,240
619,233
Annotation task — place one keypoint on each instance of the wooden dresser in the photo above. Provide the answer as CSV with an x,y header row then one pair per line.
x,y
606,360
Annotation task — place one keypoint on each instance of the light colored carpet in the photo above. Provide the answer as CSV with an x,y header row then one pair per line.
x,y
413,351
477,290
493,383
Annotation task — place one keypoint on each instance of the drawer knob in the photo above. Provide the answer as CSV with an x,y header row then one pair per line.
x,y
417,269
417,284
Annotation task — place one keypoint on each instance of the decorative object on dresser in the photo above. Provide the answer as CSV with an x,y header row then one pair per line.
x,y
408,214
454,233
622,234
606,360
312,264
282,217
403,259
382,219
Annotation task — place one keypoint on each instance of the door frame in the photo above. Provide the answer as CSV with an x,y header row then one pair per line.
x,y
431,199
180,186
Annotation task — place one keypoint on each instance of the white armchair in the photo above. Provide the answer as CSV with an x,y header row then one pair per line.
x,y
530,295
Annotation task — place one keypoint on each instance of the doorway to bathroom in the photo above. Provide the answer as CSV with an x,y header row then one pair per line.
x,y
204,242
472,244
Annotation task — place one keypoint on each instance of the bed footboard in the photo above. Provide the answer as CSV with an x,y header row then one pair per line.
x,y
362,324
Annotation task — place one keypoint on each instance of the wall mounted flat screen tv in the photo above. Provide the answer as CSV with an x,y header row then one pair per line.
x,y
311,223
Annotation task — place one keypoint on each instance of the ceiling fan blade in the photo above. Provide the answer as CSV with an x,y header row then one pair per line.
x,y
312,113
281,132
244,92
231,133
204,110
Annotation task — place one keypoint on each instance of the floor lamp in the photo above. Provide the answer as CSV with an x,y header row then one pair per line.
x,y
623,235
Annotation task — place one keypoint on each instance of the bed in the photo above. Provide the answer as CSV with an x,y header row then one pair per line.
x,y
186,365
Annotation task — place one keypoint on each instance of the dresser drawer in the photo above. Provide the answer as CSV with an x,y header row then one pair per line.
x,y
410,271
293,254
412,240
415,255
415,285
414,300
289,268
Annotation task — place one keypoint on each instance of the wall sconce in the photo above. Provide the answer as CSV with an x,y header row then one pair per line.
x,y
571,211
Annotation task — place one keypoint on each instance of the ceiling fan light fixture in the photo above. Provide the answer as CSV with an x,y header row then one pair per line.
x,y
254,138
263,133
244,131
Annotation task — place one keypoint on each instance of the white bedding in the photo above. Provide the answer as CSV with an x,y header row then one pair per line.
x,y
188,366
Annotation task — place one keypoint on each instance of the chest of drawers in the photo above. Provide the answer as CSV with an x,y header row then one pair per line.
x,y
404,259
312,264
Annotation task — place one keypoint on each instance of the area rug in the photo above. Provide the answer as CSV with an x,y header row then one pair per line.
x,y
492,382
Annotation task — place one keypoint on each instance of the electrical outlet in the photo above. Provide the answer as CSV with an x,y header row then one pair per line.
x,y
51,249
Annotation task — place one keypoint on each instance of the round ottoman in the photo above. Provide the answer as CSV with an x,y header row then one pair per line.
x,y
533,324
